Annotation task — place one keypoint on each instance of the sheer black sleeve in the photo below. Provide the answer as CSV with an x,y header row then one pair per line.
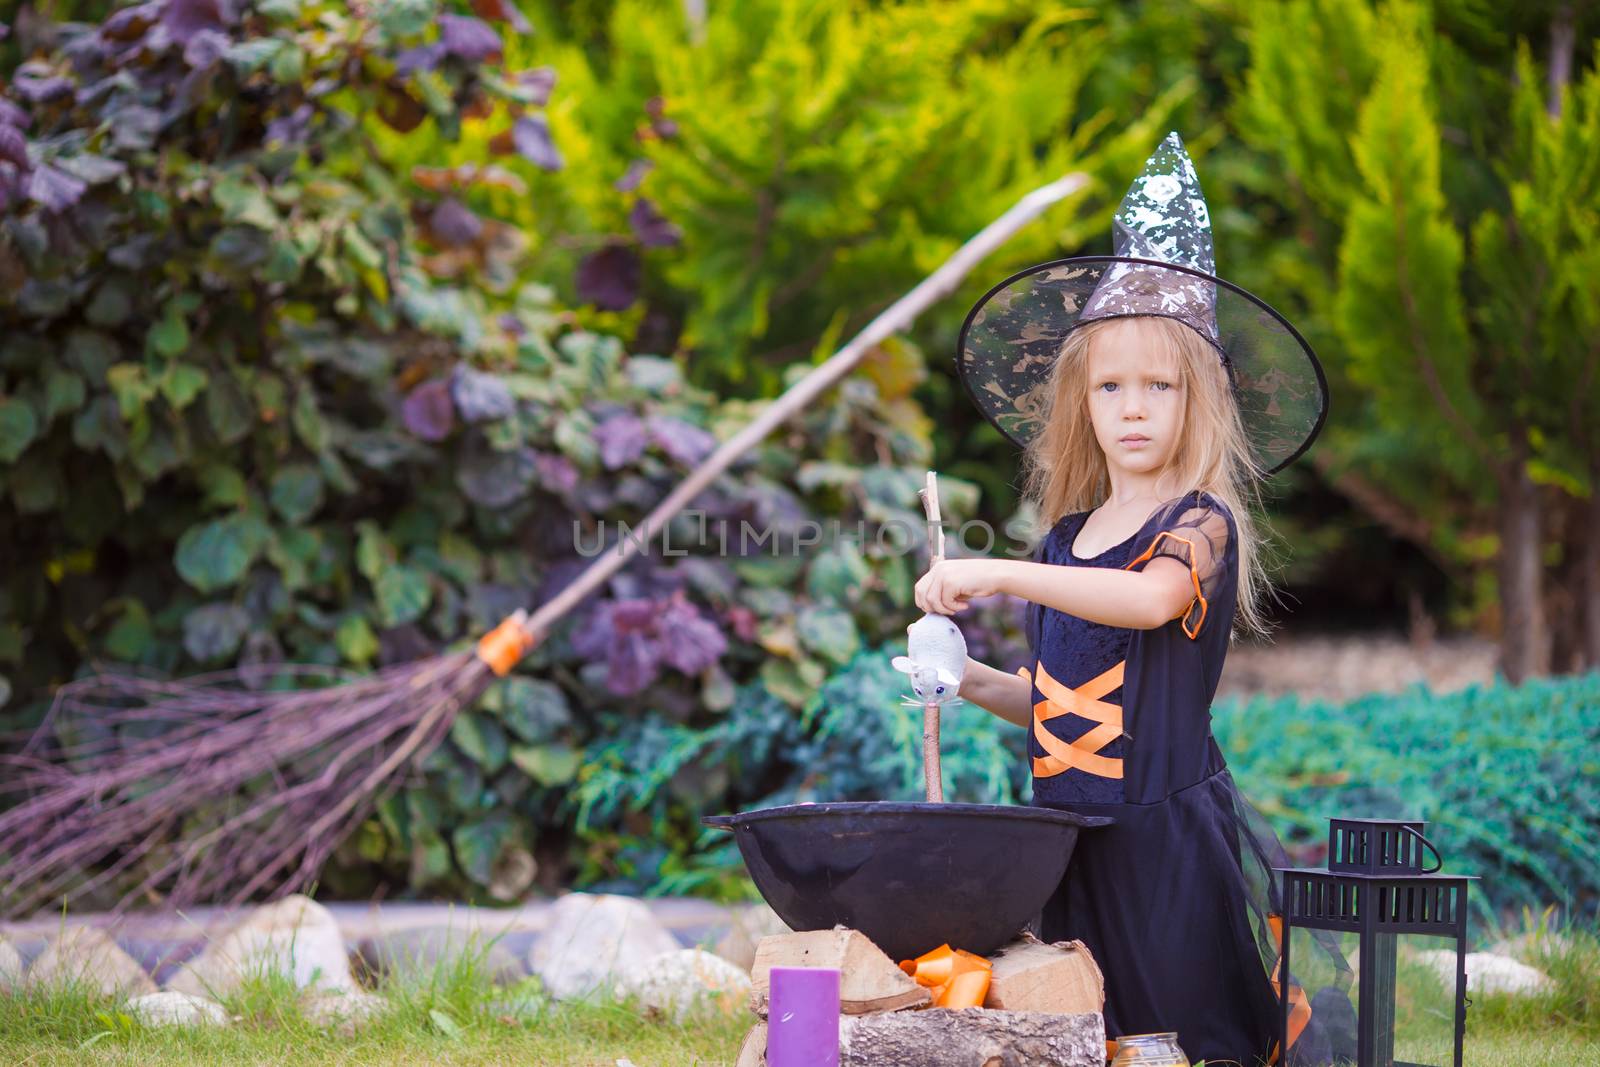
x,y
1199,533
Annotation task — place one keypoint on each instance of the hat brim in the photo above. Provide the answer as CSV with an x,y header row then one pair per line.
x,y
1012,336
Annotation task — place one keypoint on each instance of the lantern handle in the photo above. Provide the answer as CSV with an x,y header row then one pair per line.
x,y
1438,861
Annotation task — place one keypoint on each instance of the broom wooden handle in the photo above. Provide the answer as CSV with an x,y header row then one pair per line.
x,y
897,317
930,507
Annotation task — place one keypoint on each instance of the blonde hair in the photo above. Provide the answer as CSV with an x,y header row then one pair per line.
x,y
1065,469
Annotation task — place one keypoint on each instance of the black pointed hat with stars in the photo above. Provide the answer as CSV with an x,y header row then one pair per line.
x,y
1164,265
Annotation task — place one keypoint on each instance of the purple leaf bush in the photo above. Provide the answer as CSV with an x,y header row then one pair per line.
x,y
270,394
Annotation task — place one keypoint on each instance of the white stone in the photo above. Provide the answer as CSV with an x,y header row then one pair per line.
x,y
85,954
1488,973
685,983
295,937
176,1009
428,948
591,939
10,967
1529,946
749,925
345,1010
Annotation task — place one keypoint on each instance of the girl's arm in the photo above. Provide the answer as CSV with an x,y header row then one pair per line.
x,y
1010,696
1141,600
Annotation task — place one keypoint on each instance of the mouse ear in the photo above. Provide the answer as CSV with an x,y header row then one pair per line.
x,y
901,663
949,677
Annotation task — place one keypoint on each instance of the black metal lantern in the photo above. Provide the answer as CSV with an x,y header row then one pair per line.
x,y
1375,886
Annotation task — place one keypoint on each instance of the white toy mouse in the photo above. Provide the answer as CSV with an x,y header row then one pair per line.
x,y
936,659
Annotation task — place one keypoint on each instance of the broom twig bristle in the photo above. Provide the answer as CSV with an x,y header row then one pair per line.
x,y
216,787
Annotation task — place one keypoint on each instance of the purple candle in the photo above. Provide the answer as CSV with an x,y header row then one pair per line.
x,y
803,1017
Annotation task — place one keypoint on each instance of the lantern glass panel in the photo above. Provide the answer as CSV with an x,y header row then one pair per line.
x,y
1412,982
1413,972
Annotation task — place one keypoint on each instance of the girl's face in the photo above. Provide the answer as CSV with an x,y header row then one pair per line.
x,y
1135,397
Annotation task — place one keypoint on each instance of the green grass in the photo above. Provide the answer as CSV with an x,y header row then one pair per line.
x,y
73,1027
1570,956
451,1013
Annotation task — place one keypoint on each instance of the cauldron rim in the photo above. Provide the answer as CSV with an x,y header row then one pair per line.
x,y
899,807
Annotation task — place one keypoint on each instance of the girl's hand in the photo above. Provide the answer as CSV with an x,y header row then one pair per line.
x,y
950,583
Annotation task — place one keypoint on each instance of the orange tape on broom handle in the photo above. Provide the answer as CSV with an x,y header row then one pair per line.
x,y
503,647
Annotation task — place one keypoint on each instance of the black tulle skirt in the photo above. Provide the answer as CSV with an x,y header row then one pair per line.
x,y
1177,900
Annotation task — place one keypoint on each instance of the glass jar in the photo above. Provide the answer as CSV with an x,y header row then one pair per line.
x,y
1149,1050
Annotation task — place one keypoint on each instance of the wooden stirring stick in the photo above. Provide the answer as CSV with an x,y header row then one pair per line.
x,y
932,775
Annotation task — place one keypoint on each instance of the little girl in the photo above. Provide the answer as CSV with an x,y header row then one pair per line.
x,y
1150,397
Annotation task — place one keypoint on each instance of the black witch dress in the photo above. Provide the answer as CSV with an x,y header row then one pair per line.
x,y
1176,900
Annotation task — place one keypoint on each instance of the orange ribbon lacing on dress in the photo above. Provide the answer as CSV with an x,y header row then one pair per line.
x,y
1082,752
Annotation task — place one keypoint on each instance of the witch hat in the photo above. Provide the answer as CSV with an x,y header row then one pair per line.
x,y
1164,265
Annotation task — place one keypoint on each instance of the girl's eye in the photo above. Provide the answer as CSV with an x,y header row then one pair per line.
x,y
1112,385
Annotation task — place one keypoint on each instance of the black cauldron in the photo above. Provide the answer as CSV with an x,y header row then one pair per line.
x,y
909,876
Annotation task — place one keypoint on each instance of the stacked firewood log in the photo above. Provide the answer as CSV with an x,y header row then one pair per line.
x,y
1042,1008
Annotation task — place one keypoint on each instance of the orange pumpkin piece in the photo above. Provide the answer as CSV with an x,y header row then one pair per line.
x,y
959,979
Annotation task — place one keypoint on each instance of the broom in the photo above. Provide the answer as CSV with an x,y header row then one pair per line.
x,y
224,787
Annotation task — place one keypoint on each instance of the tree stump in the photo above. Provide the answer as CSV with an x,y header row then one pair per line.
x,y
973,1037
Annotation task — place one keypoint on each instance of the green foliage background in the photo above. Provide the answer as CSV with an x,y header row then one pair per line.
x,y
273,396
327,361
